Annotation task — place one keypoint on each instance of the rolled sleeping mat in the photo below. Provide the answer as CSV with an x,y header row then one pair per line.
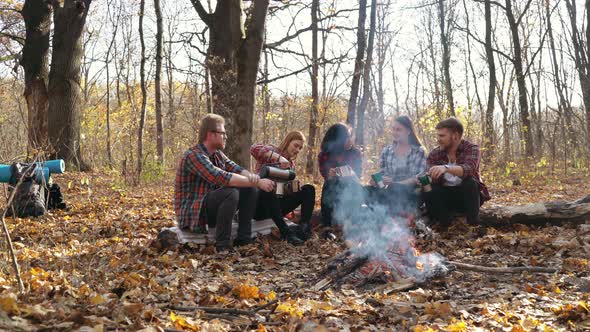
x,y
42,174
5,173
57,166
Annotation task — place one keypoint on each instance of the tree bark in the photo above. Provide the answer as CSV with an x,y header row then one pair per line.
x,y
360,129
358,63
525,120
65,98
446,59
157,84
315,103
35,60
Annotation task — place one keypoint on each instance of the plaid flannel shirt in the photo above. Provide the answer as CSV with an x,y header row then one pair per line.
x,y
198,173
352,158
398,170
258,152
468,157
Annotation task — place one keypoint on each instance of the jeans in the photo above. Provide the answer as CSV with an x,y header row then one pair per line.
x,y
441,201
269,205
222,204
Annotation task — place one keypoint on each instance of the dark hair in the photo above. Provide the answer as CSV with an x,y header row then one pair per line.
x,y
452,124
405,121
335,139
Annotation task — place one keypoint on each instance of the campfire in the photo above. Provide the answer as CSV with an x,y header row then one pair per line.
x,y
385,254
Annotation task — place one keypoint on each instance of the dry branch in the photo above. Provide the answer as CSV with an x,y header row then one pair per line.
x,y
510,269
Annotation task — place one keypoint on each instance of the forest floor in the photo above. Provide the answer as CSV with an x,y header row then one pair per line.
x,y
94,268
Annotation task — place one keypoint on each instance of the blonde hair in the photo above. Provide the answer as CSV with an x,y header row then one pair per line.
x,y
208,124
292,136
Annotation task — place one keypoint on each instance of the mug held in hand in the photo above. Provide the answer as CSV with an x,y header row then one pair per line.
x,y
344,171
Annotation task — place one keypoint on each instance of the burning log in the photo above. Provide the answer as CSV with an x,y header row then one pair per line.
x,y
538,213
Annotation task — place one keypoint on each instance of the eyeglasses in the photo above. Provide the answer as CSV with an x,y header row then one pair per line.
x,y
222,133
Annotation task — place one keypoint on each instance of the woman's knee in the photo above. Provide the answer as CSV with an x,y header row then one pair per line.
x,y
308,190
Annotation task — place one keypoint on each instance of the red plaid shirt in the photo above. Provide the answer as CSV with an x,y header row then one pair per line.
x,y
352,158
258,151
198,173
468,157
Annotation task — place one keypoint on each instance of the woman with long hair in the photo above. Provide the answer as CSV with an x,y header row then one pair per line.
x,y
400,163
340,164
269,204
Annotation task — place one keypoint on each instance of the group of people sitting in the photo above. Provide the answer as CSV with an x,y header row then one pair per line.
x,y
210,188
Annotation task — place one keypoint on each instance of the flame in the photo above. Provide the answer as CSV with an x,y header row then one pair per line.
x,y
416,252
419,266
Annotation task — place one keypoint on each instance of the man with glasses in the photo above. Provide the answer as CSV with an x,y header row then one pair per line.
x,y
209,188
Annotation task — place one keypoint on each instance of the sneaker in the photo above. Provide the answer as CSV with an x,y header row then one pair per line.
x,y
327,235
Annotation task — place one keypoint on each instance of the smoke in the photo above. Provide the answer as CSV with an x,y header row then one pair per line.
x,y
380,231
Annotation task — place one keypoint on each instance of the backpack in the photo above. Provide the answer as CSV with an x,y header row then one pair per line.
x,y
29,198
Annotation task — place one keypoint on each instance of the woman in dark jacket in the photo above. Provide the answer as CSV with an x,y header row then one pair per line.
x,y
340,164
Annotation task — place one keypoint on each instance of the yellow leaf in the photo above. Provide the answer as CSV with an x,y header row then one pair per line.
x,y
457,327
182,323
271,296
290,309
97,299
245,291
261,328
8,303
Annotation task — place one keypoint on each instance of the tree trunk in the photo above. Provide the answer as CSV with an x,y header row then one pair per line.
x,y
562,103
157,84
37,17
489,133
358,63
108,83
233,60
525,120
582,59
315,103
142,111
248,61
538,213
360,128
446,59
65,98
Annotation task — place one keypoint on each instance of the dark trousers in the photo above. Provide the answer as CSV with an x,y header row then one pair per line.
x,y
222,204
397,198
269,205
441,201
342,196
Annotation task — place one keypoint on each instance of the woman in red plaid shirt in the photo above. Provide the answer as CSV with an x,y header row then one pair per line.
x,y
340,164
269,205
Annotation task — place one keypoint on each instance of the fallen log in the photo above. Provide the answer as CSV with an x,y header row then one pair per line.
x,y
537,213
508,269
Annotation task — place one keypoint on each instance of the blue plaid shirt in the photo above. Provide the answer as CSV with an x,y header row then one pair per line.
x,y
400,169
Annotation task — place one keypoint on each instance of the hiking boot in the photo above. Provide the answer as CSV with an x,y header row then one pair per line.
x,y
224,250
293,239
243,242
304,231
